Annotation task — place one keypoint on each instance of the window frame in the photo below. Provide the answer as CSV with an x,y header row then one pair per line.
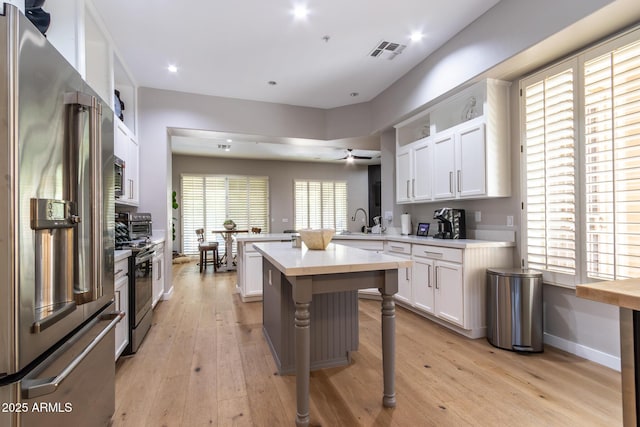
x,y
578,61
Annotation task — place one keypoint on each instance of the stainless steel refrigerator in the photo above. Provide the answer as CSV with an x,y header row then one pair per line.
x,y
57,315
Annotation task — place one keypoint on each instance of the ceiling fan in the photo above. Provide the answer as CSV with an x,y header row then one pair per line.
x,y
351,157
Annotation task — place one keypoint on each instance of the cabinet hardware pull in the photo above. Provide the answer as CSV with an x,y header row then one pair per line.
x,y
451,182
397,248
413,187
459,181
434,254
270,284
118,304
118,272
437,268
429,275
406,274
408,196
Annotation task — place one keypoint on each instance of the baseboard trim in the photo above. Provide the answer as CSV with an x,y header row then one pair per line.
x,y
167,295
583,351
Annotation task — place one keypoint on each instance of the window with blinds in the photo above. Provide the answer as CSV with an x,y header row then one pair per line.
x,y
597,142
612,163
549,142
320,204
209,200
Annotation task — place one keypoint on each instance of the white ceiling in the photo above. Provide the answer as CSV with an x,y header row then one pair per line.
x,y
233,49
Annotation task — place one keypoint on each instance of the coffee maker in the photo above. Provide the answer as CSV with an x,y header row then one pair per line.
x,y
451,223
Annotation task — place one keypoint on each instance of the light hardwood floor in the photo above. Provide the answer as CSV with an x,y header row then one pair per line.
x,y
206,363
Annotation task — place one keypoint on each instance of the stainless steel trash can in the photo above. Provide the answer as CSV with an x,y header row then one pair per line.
x,y
514,309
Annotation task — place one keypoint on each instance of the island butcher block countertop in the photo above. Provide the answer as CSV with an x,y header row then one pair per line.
x,y
623,293
335,259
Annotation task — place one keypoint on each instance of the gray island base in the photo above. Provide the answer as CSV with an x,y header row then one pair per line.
x,y
297,278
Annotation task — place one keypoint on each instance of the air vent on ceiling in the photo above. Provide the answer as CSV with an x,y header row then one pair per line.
x,y
386,49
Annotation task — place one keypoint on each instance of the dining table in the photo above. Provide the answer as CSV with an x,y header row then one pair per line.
x,y
227,262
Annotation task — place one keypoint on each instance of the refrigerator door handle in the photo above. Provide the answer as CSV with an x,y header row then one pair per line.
x,y
92,104
43,386
95,143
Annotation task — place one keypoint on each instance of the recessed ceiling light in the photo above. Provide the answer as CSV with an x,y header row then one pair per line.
x,y
300,12
229,140
172,69
416,36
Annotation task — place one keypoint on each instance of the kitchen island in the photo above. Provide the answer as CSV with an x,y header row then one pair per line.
x,y
338,269
626,295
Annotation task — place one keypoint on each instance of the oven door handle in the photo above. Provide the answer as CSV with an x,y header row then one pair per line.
x,y
43,386
144,258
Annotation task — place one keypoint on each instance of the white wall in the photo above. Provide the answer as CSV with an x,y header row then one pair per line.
x,y
281,175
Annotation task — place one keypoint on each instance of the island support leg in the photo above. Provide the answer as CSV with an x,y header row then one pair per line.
x,y
630,361
302,300
389,338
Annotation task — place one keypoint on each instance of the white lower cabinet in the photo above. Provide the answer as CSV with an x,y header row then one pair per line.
x,y
253,287
121,287
449,284
405,291
448,289
423,295
249,272
438,283
158,275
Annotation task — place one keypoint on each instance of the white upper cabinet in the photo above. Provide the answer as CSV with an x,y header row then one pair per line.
x,y
443,173
404,174
422,169
126,148
414,179
79,34
466,147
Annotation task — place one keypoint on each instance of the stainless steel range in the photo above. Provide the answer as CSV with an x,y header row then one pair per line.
x,y
133,231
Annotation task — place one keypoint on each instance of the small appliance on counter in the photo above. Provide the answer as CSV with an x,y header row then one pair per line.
x,y
134,225
451,223
405,224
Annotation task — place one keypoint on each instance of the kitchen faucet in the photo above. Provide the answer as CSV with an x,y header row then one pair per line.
x,y
366,217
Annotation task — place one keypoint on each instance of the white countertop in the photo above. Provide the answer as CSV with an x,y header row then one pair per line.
x,y
266,237
119,255
448,243
335,259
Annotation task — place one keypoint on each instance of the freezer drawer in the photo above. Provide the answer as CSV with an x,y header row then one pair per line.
x,y
76,384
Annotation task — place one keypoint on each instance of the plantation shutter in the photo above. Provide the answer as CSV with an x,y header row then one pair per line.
x,y
207,201
320,204
549,144
612,163
192,211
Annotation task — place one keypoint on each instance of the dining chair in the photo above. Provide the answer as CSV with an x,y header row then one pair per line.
x,y
204,247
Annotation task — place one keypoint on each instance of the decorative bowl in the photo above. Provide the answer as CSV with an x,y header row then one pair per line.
x,y
317,239
230,226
